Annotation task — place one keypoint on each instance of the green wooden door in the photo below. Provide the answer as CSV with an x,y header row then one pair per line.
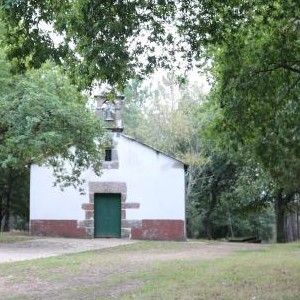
x,y
107,215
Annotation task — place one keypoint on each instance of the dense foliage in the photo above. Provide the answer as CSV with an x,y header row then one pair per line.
x,y
257,87
43,119
227,194
98,39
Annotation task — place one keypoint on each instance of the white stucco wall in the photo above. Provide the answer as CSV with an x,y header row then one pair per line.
x,y
50,203
153,180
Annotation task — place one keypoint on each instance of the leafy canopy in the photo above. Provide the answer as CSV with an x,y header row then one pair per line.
x,y
257,75
44,119
117,40
99,39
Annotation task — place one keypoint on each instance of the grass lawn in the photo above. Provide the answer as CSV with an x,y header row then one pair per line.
x,y
273,273
159,270
12,237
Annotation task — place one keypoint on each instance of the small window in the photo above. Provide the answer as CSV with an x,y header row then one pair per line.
x,y
108,155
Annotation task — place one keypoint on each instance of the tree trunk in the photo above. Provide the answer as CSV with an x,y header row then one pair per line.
x,y
207,222
291,227
298,211
280,217
207,226
1,213
6,226
230,225
190,181
7,202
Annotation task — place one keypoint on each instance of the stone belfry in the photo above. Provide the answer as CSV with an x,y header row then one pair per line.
x,y
110,112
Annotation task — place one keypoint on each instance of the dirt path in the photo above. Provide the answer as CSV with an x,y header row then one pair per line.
x,y
46,247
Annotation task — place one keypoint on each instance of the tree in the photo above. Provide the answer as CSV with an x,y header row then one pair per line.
x,y
14,197
163,115
226,196
257,74
215,178
221,207
44,120
116,40
95,36
222,198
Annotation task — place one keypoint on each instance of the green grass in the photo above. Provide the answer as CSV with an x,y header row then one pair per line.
x,y
126,272
13,237
273,273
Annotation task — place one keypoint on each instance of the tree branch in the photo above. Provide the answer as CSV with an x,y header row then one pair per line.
x,y
287,67
282,65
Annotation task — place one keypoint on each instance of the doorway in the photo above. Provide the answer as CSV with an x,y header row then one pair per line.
x,y
107,215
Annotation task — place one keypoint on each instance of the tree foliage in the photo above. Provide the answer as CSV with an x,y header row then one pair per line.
x,y
257,87
230,192
114,40
224,191
163,114
260,96
14,198
98,38
44,120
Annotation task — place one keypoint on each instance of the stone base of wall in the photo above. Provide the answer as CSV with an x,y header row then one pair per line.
x,y
164,230
57,228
